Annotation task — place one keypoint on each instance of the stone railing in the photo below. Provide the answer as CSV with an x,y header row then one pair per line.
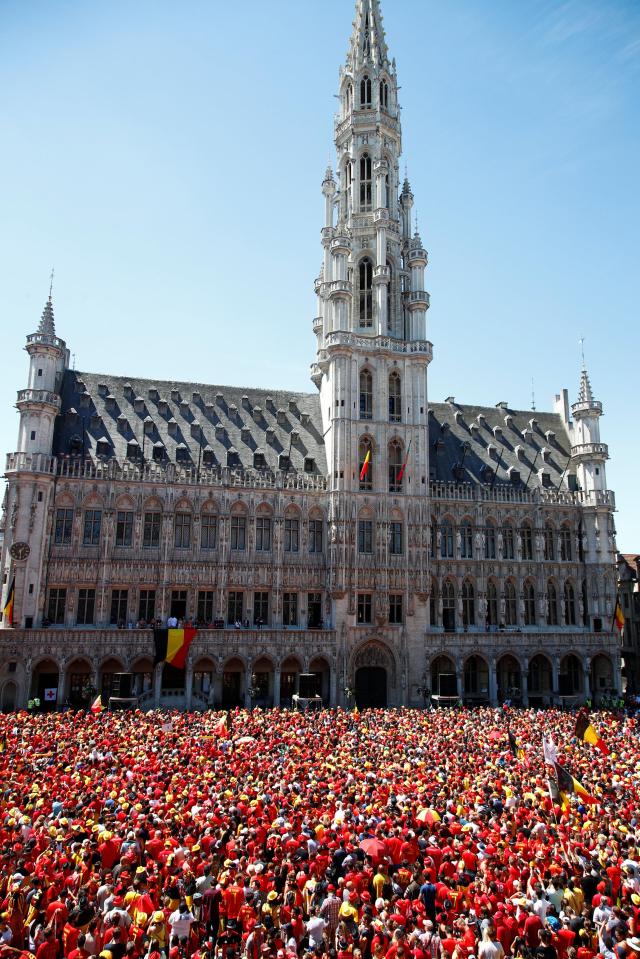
x,y
501,493
77,468
39,396
590,449
345,338
127,644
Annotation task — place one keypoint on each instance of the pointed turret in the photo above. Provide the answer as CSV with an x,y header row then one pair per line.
x,y
47,324
585,394
367,40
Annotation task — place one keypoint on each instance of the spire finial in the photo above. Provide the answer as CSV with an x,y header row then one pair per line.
x,y
581,342
533,395
51,282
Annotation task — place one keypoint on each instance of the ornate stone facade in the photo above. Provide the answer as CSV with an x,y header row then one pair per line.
x,y
363,539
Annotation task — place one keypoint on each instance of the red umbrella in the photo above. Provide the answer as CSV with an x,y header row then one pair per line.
x,y
374,848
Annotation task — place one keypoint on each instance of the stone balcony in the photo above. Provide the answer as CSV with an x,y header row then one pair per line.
x,y
599,450
38,396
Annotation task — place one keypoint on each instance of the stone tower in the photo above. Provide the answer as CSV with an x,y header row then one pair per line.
x,y
372,351
30,470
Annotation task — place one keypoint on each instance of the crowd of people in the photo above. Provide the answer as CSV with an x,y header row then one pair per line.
x,y
400,834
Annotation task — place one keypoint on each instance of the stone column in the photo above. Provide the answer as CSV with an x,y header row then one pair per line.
x,y
524,678
157,685
332,687
493,683
217,690
586,682
188,685
276,686
555,681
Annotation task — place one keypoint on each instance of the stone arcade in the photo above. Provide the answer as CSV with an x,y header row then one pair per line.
x,y
365,541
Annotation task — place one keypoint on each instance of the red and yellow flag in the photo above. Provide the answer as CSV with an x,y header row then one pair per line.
x,y
172,645
404,465
7,611
585,731
96,705
567,784
618,616
365,466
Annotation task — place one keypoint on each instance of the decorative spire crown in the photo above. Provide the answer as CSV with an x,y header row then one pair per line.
x,y
367,40
47,323
585,394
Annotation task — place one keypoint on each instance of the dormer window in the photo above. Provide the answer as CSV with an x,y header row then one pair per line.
x,y
309,464
103,448
259,461
158,452
284,462
365,93
182,453
133,451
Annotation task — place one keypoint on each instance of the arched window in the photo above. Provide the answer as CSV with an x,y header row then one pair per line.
x,y
549,543
466,539
552,604
433,535
365,182
365,276
446,539
395,397
492,604
365,92
384,95
395,467
433,601
569,605
529,596
566,551
510,608
508,551
490,541
468,604
366,395
448,606
348,94
526,539
585,604
365,475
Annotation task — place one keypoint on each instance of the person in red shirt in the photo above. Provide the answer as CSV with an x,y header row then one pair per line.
x,y
49,948
532,926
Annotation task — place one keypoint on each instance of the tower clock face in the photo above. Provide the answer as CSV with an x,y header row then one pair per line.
x,y
20,550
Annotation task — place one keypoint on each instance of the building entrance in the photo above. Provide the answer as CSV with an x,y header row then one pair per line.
x,y
371,687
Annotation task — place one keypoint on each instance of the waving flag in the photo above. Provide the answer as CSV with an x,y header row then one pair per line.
x,y
172,645
365,466
585,731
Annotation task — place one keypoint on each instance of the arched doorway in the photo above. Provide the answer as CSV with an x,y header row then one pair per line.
x,y
107,671
371,687
232,691
476,680
78,684
291,681
143,677
509,679
9,697
444,681
570,678
602,680
262,683
540,681
372,670
202,686
45,684
319,685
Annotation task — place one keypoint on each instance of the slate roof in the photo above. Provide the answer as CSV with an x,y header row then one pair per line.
x,y
228,425
469,443
221,425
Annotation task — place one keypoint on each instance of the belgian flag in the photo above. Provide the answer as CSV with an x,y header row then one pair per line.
x,y
585,731
172,645
7,611
568,785
618,616
516,750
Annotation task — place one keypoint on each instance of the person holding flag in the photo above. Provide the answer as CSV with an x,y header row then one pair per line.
x,y
587,733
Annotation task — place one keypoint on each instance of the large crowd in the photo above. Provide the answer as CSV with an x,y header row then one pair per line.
x,y
398,834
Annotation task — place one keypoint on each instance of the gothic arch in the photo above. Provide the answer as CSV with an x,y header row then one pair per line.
x,y
373,652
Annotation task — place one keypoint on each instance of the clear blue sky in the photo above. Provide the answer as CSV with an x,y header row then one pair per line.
x,y
166,158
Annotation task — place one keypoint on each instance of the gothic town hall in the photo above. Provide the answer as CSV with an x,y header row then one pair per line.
x,y
353,542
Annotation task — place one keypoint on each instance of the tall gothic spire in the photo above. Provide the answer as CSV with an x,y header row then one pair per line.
x,y
367,40
47,323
